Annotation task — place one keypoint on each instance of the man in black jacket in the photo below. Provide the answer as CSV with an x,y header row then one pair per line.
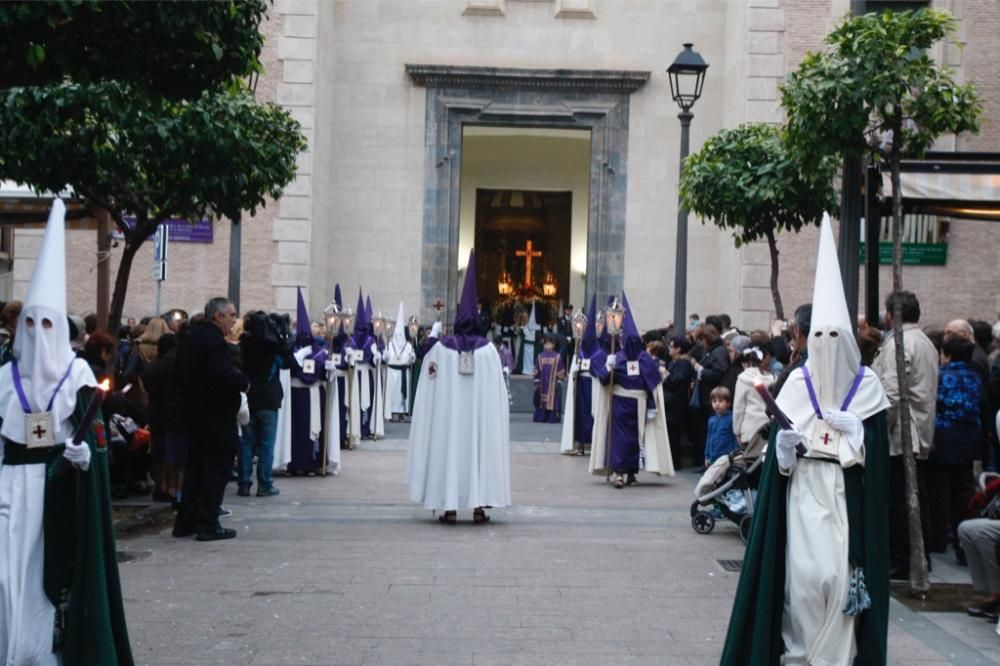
x,y
210,385
262,347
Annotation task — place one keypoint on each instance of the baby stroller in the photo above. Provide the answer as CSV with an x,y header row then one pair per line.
x,y
727,490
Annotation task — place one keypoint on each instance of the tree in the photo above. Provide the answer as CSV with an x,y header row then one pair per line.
x,y
176,49
746,180
147,156
877,91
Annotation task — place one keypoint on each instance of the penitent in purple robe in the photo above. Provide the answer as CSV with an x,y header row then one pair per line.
x,y
308,397
583,417
624,450
549,370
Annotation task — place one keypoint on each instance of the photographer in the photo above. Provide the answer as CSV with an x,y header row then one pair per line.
x,y
264,346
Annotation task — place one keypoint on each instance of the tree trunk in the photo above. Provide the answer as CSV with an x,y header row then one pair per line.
x,y
772,245
121,282
918,562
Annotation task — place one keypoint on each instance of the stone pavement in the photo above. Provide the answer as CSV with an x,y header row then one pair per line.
x,y
344,570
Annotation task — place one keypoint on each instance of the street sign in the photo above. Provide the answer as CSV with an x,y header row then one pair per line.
x,y
160,242
914,254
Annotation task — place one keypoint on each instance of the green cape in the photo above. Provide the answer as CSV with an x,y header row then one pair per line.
x,y
754,637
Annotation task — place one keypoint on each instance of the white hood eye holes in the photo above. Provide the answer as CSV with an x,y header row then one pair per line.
x,y
46,323
818,334
834,334
28,321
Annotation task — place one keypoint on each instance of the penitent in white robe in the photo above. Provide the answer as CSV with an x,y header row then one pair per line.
x,y
459,449
283,437
396,401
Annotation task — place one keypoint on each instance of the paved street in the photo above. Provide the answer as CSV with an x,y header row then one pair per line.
x,y
344,570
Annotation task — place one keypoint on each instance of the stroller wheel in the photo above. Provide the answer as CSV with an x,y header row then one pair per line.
x,y
745,523
703,523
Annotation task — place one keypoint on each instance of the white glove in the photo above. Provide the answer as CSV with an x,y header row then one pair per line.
x,y
650,414
849,424
376,358
330,365
784,447
78,454
435,330
612,359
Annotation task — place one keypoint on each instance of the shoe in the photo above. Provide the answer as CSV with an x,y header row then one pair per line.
x,y
619,482
479,516
181,532
448,517
631,480
266,492
224,512
244,490
217,534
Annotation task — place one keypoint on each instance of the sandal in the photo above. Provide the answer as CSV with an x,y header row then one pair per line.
x,y
479,516
448,517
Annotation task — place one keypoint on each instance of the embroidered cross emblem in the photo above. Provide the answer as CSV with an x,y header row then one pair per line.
x,y
826,439
39,432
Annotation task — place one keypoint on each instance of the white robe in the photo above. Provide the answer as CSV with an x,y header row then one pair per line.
x,y
567,443
27,617
395,401
283,439
459,449
653,438
331,429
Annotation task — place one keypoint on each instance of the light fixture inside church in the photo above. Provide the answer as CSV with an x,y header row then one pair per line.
x,y
505,285
549,285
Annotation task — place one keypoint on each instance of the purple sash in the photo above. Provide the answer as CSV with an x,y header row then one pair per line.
x,y
25,405
847,400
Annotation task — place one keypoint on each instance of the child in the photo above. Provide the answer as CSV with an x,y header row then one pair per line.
x,y
720,440
750,420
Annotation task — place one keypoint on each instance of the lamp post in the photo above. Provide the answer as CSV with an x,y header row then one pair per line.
x,y
687,76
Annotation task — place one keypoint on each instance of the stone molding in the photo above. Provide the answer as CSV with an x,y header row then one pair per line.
x,y
510,78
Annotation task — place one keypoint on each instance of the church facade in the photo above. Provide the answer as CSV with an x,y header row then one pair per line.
x,y
542,132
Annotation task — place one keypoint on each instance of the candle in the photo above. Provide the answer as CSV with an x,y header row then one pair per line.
x,y
88,417
772,407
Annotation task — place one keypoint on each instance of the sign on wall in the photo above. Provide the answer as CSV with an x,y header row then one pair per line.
x,y
182,231
925,241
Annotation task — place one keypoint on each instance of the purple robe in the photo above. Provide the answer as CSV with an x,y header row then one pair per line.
x,y
549,370
307,453
624,447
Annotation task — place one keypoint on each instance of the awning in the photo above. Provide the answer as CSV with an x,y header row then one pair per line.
x,y
963,185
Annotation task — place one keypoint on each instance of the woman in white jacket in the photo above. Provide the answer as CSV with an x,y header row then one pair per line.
x,y
749,417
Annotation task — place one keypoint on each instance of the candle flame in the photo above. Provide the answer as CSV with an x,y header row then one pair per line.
x,y
105,385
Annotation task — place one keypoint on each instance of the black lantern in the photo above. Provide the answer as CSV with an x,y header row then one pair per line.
x,y
687,76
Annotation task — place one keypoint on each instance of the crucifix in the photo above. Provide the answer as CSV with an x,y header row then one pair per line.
x,y
529,254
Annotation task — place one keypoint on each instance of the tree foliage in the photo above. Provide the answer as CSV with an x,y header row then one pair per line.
x,y
148,156
878,81
878,90
177,49
747,181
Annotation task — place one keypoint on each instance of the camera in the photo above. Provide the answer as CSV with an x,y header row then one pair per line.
x,y
271,328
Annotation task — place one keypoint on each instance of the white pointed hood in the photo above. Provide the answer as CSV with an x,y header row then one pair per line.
x,y
399,333
532,324
834,357
42,348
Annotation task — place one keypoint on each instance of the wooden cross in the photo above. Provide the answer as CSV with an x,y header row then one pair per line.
x,y
529,254
39,431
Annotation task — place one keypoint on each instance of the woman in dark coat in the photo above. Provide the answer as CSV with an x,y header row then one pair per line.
x,y
677,395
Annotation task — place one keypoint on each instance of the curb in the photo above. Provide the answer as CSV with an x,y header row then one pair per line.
x,y
141,518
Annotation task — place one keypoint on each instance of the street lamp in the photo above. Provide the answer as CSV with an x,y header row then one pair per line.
x,y
687,76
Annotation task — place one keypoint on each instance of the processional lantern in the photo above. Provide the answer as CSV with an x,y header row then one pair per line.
x,y
599,321
414,325
378,324
390,327
549,286
614,316
579,325
331,315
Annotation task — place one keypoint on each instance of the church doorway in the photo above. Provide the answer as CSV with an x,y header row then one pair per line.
x,y
525,208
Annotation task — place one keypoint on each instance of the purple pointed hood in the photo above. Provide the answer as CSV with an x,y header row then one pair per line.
x,y
466,333
303,326
631,340
360,322
588,345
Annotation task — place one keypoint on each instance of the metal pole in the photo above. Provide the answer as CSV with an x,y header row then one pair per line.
x,y
235,237
159,287
873,229
680,260
851,207
103,269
